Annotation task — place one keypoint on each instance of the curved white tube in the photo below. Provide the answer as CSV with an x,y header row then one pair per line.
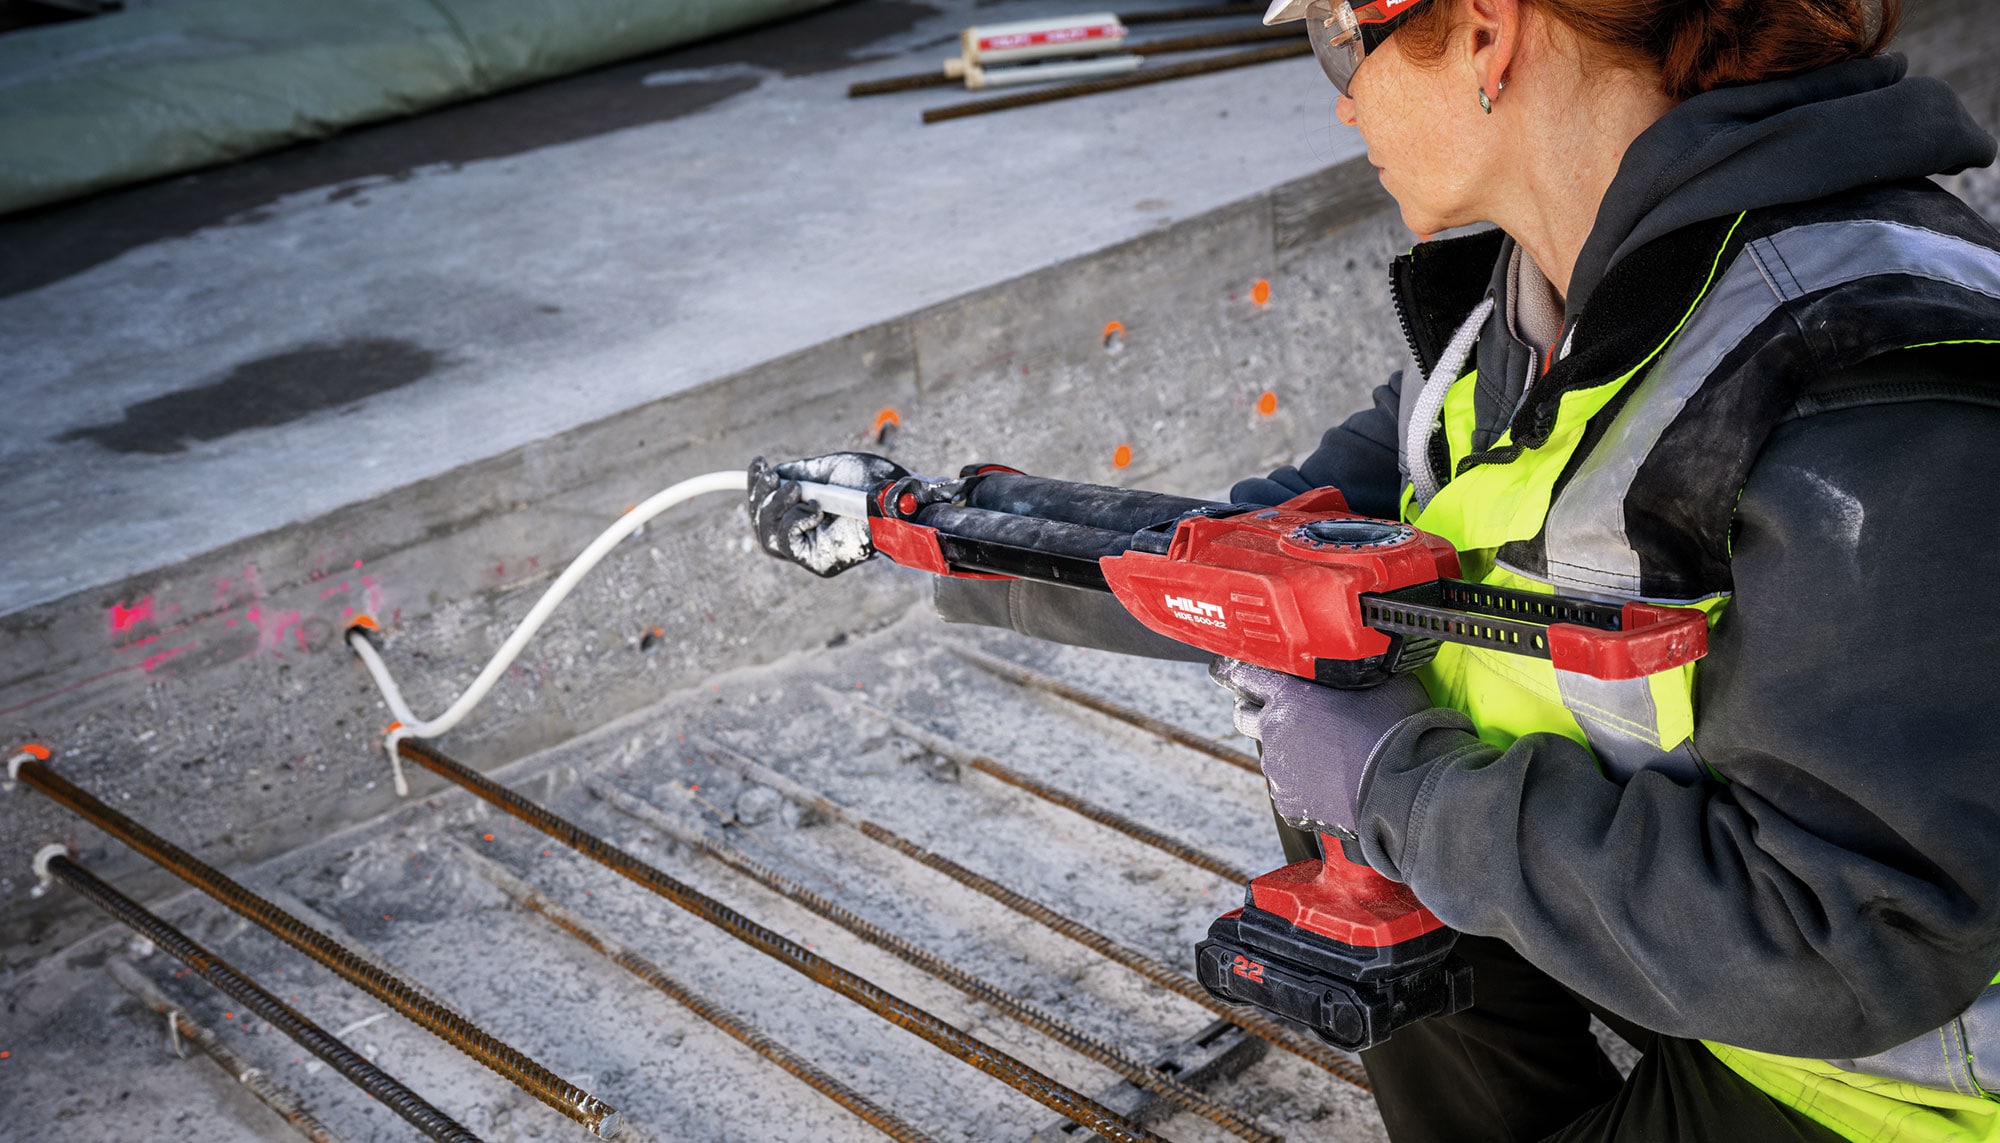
x,y
410,726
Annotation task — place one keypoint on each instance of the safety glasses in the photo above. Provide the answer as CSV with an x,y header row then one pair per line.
x,y
1344,33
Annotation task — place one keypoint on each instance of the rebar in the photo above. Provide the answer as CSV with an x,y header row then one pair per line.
x,y
1050,1025
352,1065
438,1019
958,1043
1111,819
1027,677
535,901
272,1094
1253,1022
1167,46
1118,82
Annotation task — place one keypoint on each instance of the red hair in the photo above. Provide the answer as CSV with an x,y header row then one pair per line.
x,y
1700,45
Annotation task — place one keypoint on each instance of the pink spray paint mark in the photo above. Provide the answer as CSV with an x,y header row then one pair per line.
x,y
153,662
274,631
330,592
357,563
124,618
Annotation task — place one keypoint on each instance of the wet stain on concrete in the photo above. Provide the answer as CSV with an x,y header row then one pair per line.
x,y
268,391
57,242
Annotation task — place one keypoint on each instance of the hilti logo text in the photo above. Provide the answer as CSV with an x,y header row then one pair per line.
x,y
1195,611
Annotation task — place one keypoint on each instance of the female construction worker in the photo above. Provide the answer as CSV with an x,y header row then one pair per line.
x,y
1725,347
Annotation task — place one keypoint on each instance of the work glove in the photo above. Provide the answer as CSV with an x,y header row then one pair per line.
x,y
1318,742
796,529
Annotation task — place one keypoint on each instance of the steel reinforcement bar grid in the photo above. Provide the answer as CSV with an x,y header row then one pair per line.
x,y
1050,1025
436,1018
350,1064
965,1047
1250,1020
535,901
1091,811
1016,673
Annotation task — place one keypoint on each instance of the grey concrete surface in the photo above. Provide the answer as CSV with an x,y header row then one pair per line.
x,y
87,1063
201,681
507,271
227,695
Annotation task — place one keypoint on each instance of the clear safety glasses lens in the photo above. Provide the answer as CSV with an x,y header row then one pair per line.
x,y
1336,40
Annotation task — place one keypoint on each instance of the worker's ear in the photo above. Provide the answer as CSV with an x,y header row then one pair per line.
x,y
1488,39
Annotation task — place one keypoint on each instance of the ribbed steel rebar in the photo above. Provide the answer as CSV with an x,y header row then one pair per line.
x,y
964,1046
1119,82
1050,1025
1014,672
1251,1021
352,1065
281,1100
1167,46
436,1018
535,901
1109,818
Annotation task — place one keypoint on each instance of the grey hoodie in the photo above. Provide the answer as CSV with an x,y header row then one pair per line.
x,y
1839,891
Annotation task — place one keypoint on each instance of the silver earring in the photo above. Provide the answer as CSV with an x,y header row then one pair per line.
x,y
1485,102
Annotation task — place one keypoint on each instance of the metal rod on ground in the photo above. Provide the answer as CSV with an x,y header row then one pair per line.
x,y
352,1065
1178,1094
1016,673
428,1014
1118,82
964,1046
1168,46
1251,1021
939,744
531,899
268,1091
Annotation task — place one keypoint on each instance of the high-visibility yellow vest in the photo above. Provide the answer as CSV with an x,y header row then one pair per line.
x,y
1563,502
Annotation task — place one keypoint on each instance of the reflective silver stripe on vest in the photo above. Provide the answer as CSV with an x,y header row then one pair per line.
x,y
1589,551
1963,1056
1587,545
1623,727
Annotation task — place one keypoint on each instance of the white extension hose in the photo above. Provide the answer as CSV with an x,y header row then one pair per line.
x,y
839,501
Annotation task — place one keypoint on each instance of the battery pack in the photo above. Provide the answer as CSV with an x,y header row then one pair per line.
x,y
1350,997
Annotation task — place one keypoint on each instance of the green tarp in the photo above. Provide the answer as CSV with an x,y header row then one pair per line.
x,y
152,91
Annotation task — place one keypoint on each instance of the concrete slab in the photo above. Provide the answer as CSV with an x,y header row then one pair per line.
x,y
211,684
205,359
87,1063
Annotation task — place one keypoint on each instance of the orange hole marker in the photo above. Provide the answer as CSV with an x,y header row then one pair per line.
x,y
886,418
1267,404
487,837
1121,457
1114,332
36,751
1261,292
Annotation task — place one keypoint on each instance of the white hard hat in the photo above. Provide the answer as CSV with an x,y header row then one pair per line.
x,y
1285,11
